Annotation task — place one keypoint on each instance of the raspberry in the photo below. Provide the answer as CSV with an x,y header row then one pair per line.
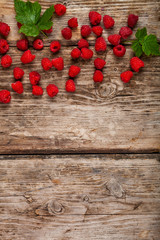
x,y
5,96
132,20
18,73
119,50
95,18
98,76
52,90
126,76
76,53
67,33
46,64
27,57
22,44
97,30
37,91
17,87
100,45
86,53
74,71
4,47
34,78
125,32
99,63
114,39
70,86
4,29
83,43
136,64
86,31
6,61
108,21
48,31
60,9
38,44
73,23
19,25
55,46
58,63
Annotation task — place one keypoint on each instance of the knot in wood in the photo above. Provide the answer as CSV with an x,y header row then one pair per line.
x,y
85,198
107,90
115,188
55,207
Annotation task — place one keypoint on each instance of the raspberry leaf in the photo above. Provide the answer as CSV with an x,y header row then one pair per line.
x,y
137,48
141,33
150,45
29,30
46,17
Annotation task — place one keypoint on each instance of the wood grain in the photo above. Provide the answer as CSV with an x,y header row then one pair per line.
x,y
80,196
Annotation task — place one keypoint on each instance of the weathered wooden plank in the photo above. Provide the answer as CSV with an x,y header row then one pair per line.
x,y
80,197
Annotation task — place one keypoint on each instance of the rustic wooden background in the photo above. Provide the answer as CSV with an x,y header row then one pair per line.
x,y
84,165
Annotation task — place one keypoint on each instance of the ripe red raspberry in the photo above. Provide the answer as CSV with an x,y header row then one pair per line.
x,y
46,64
108,21
5,96
74,71
58,63
86,53
86,31
132,20
100,45
83,43
4,47
98,76
136,64
73,23
4,29
27,57
6,61
37,90
119,50
22,44
125,32
19,25
67,33
95,18
126,76
60,9
48,31
38,44
97,30
18,73
114,39
99,63
76,53
70,86
52,90
34,78
55,46
17,87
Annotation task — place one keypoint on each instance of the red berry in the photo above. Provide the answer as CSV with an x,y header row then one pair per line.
x,y
73,23
46,64
125,32
83,43
119,50
27,57
58,63
86,31
76,53
70,86
97,30
34,77
100,45
5,96
108,21
6,61
4,47
19,25
22,44
17,87
126,76
114,39
37,91
52,90
86,53
4,29
132,20
136,64
18,73
99,63
95,18
38,44
98,76
67,33
60,9
48,31
74,71
55,46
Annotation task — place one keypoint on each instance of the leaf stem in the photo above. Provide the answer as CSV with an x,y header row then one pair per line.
x,y
44,34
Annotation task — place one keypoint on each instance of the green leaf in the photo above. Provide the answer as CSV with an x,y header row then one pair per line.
x,y
29,30
44,22
137,48
140,34
150,45
45,26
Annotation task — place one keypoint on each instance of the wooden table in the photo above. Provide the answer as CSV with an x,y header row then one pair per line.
x,y
82,166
